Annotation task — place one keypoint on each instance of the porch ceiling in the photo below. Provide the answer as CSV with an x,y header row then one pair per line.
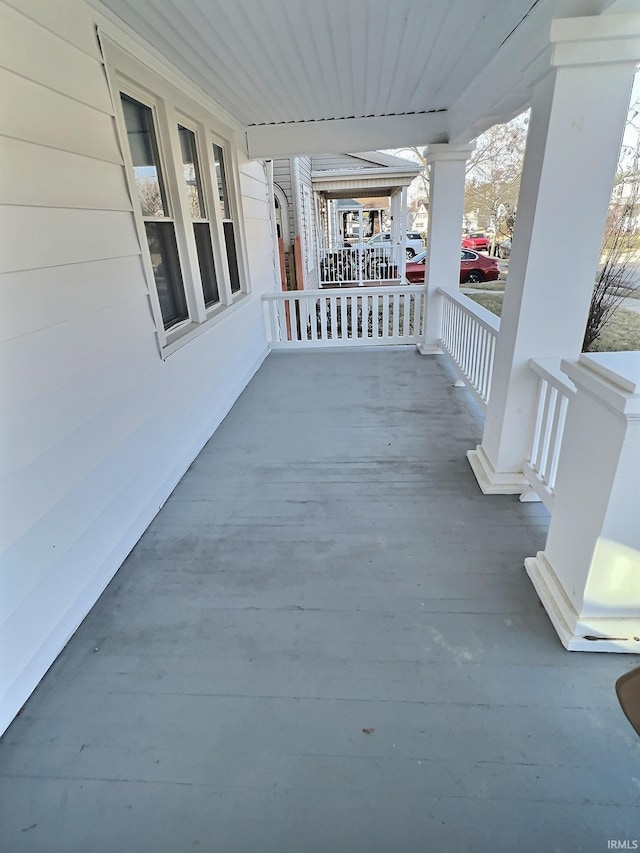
x,y
352,69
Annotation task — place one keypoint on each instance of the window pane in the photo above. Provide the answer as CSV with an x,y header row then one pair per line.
x,y
205,260
232,258
191,172
138,119
161,237
222,182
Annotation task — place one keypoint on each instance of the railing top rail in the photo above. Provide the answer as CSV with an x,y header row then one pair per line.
x,y
485,318
549,369
342,291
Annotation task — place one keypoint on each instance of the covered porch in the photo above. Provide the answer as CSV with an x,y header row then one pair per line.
x,y
326,640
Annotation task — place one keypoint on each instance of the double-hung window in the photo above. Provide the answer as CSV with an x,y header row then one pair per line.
x,y
155,208
226,211
197,211
184,192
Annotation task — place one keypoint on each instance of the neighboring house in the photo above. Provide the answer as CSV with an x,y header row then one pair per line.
x,y
332,197
625,203
421,219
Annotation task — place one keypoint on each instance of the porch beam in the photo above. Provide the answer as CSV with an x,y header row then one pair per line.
x,y
346,134
447,164
575,129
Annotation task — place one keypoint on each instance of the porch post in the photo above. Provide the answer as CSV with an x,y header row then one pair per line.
x,y
402,260
394,235
447,164
577,117
588,576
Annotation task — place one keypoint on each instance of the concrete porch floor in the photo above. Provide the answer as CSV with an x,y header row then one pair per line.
x,y
327,566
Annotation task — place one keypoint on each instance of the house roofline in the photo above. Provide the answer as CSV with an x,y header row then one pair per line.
x,y
349,174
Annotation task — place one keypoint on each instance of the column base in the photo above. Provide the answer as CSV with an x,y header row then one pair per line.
x,y
490,481
580,634
428,349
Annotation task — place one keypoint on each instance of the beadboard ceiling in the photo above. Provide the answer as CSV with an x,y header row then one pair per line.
x,y
271,62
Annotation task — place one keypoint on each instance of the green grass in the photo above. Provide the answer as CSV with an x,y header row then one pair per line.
x,y
622,332
492,301
486,285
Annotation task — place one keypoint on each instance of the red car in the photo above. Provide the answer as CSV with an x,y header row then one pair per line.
x,y
473,268
477,242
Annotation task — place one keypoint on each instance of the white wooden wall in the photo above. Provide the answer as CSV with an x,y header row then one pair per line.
x,y
96,428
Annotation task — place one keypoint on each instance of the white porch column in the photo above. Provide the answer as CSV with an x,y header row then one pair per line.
x,y
402,259
575,130
447,164
588,576
394,231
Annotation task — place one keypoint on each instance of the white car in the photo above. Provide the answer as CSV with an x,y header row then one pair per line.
x,y
414,242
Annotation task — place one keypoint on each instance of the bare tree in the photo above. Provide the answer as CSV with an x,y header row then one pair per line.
x,y
616,277
493,176
150,197
421,187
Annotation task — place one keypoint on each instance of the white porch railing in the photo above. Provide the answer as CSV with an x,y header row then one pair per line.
x,y
554,392
370,316
468,338
354,265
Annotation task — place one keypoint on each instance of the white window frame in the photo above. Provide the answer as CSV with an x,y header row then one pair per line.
x,y
205,162
232,173
171,108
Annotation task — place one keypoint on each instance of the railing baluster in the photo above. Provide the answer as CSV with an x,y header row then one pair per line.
x,y
407,314
333,308
296,319
323,318
545,472
556,442
311,308
554,393
396,316
272,315
344,326
375,311
537,429
385,316
549,397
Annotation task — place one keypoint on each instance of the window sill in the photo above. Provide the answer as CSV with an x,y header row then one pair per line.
x,y
186,332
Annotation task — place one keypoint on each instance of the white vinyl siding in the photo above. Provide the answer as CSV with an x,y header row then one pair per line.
x,y
47,117
282,177
59,178
95,428
309,243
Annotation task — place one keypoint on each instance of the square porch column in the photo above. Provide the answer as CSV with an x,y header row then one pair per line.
x,y
588,576
447,164
575,130
398,235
